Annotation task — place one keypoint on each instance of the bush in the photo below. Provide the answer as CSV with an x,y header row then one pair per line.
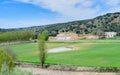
x,y
16,71
19,71
6,59
4,70
11,53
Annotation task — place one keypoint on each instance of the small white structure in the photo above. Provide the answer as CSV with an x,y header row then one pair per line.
x,y
110,34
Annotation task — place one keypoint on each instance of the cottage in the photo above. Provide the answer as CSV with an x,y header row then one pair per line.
x,y
110,34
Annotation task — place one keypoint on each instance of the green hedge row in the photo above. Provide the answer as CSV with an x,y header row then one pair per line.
x,y
16,36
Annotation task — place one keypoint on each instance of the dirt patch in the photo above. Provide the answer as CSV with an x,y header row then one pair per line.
x,y
38,71
67,70
71,68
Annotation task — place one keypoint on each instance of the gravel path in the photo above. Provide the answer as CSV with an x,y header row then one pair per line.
x,y
38,71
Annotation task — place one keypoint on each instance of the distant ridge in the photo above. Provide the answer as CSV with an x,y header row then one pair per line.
x,y
104,23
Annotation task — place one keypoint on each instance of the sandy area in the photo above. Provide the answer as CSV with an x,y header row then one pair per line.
x,y
38,71
59,49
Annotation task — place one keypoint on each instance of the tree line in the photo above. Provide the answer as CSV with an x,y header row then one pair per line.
x,y
16,36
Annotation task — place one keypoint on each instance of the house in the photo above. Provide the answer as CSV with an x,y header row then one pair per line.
x,y
110,34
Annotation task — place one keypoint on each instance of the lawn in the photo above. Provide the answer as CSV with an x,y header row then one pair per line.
x,y
85,54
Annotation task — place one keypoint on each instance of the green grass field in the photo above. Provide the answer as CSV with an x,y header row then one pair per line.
x,y
85,54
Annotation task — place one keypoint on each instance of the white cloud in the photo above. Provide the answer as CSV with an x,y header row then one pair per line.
x,y
77,9
6,2
112,5
68,9
114,9
113,2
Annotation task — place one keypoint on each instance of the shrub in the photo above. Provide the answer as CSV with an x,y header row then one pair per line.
x,y
4,70
19,71
6,59
16,71
11,53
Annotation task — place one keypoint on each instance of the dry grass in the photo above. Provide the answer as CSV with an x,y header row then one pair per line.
x,y
80,46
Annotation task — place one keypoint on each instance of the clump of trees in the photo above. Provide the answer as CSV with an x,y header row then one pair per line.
x,y
16,36
42,38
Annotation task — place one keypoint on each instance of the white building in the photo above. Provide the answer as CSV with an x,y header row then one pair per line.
x,y
110,34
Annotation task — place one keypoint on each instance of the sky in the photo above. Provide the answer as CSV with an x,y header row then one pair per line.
x,y
26,13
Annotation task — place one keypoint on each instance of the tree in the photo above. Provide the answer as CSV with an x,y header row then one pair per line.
x,y
100,33
42,38
45,33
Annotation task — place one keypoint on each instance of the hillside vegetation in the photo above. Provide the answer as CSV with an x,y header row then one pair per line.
x,y
106,23
99,25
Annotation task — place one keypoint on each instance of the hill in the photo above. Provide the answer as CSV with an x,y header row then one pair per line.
x,y
105,23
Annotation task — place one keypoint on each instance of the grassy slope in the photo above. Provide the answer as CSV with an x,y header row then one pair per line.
x,y
104,55
88,54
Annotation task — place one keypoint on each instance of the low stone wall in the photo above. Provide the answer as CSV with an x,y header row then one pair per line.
x,y
70,68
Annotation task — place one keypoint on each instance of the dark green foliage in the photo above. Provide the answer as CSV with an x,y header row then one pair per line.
x,y
6,59
16,36
106,23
